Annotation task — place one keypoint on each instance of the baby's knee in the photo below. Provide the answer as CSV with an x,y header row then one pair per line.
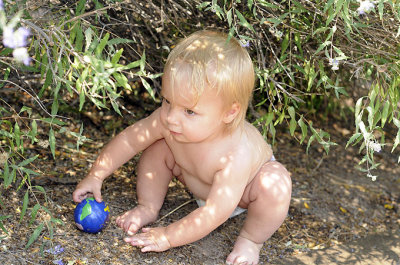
x,y
159,151
275,183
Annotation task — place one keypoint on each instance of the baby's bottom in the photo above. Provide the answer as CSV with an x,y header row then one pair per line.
x,y
267,199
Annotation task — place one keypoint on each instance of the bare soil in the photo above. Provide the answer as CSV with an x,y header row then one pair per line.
x,y
332,204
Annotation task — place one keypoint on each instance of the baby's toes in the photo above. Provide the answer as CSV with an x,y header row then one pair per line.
x,y
120,221
131,228
238,261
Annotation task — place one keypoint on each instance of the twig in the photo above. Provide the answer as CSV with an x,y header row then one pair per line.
x,y
174,210
86,15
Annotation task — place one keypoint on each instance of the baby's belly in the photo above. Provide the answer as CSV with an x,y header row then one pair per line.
x,y
196,186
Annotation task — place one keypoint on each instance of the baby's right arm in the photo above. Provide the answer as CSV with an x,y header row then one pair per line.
x,y
118,151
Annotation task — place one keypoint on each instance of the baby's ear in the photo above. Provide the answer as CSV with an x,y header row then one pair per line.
x,y
231,113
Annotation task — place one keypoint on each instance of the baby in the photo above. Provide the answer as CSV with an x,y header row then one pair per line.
x,y
199,135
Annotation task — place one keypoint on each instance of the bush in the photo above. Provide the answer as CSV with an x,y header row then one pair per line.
x,y
308,50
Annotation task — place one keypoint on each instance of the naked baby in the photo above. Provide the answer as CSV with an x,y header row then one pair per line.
x,y
200,136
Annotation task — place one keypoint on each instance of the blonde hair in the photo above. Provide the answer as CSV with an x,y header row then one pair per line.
x,y
214,63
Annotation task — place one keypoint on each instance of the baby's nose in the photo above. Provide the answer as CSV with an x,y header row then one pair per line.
x,y
172,116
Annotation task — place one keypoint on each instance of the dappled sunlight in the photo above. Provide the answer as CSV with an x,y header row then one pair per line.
x,y
149,176
276,182
197,44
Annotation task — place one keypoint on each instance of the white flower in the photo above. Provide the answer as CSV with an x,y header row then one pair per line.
x,y
373,178
365,7
375,146
334,63
15,39
21,55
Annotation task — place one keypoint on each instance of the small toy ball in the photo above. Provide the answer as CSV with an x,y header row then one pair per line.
x,y
91,216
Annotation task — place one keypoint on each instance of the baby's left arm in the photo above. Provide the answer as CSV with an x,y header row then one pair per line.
x,y
225,194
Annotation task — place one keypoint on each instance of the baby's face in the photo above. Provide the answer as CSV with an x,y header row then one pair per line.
x,y
188,120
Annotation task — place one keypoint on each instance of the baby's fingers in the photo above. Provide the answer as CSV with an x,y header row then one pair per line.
x,y
138,241
97,196
79,195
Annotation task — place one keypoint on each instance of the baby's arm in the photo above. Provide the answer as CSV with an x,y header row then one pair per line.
x,y
226,191
119,150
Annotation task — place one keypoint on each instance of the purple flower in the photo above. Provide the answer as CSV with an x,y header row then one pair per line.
x,y
245,44
1,5
15,39
58,262
56,250
334,63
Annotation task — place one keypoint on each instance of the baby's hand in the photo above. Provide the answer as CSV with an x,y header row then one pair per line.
x,y
88,187
151,239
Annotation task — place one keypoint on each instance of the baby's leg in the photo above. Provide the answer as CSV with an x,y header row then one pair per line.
x,y
153,176
267,198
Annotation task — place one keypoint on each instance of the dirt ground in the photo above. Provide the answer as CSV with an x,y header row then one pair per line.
x,y
332,204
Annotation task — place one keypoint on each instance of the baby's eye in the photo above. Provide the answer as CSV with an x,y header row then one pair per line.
x,y
190,112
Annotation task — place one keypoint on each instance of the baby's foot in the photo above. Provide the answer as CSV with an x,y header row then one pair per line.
x,y
244,252
131,221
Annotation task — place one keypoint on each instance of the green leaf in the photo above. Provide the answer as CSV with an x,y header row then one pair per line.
x,y
292,126
117,41
117,56
24,205
142,61
47,82
115,107
312,138
52,142
102,45
80,8
34,213
358,107
88,38
6,174
53,121
303,128
55,105
385,113
2,218
285,44
380,9
269,118
396,122
28,161
122,80
132,65
243,21
148,88
292,112
35,235
27,109
272,130
81,99
396,141
353,138
268,4
229,17
17,136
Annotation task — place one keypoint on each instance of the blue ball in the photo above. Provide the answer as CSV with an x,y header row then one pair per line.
x,y
91,216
